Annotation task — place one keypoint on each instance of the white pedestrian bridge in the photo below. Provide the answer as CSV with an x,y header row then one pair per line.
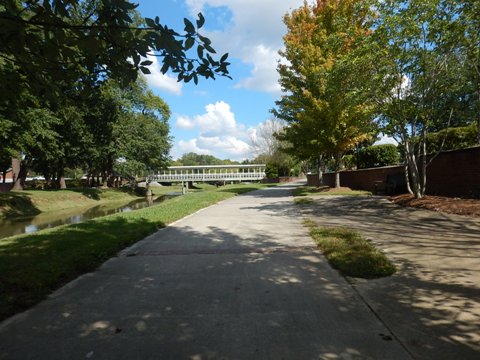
x,y
210,173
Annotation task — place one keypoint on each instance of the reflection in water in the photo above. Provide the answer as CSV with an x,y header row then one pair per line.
x,y
11,227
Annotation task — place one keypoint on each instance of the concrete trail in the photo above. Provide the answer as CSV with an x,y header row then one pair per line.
x,y
238,280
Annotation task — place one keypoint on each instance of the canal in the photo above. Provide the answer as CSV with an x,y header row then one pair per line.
x,y
17,226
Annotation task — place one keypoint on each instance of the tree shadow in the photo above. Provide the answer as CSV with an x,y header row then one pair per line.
x,y
17,205
32,267
254,191
433,302
212,294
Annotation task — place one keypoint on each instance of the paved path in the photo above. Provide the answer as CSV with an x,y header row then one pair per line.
x,y
433,303
238,280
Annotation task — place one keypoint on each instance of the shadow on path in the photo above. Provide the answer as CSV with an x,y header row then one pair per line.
x,y
433,302
198,290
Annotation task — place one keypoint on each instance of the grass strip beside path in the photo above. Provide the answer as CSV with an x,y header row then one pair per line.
x,y
350,253
32,266
326,190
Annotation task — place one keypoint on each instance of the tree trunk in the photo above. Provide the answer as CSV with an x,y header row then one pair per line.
x,y
423,182
61,182
4,176
19,184
61,175
337,178
413,170
111,181
104,183
407,178
15,169
320,171
338,162
48,181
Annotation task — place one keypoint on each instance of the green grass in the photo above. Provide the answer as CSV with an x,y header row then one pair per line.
x,y
303,200
350,253
34,202
32,266
325,190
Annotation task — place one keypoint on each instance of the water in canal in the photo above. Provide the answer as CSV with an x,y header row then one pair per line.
x,y
10,227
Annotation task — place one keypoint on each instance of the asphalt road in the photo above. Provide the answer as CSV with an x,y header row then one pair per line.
x,y
238,280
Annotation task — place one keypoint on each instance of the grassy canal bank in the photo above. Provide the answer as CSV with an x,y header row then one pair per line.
x,y
34,202
32,266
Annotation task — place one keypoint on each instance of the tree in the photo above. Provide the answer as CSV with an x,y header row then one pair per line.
x,y
36,139
416,80
128,129
325,111
467,40
58,39
193,159
142,133
269,148
55,54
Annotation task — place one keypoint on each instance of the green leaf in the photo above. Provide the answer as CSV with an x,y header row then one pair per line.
x,y
189,43
210,49
204,39
200,21
200,51
189,26
164,68
145,70
157,20
212,62
146,62
224,57
150,22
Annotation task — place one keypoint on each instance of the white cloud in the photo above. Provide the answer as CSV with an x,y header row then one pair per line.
x,y
229,145
264,74
184,123
219,134
223,147
162,81
218,119
254,35
191,146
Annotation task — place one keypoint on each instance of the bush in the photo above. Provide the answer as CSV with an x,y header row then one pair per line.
x,y
271,171
378,155
455,138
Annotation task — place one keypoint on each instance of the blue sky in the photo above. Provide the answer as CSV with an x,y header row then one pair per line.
x,y
220,117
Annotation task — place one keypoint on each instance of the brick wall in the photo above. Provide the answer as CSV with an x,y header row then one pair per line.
x,y
451,173
282,179
455,173
5,187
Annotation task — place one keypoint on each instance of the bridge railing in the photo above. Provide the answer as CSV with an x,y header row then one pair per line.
x,y
207,177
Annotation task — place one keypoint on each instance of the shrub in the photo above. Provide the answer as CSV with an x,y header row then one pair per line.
x,y
271,171
378,155
455,138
